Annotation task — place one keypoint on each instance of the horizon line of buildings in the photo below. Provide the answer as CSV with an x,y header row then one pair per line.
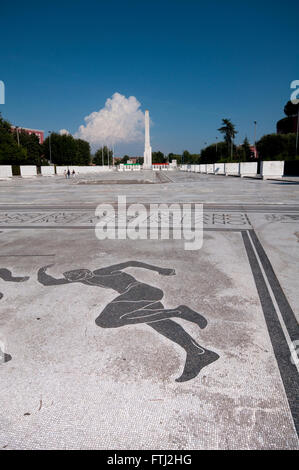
x,y
37,132
40,134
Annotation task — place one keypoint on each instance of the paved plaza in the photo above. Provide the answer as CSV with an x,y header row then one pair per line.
x,y
141,344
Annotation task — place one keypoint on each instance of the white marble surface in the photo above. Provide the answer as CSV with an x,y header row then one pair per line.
x,y
272,169
248,168
219,168
28,170
5,171
47,170
232,168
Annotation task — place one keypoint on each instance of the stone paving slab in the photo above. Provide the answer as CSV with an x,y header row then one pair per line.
x,y
185,187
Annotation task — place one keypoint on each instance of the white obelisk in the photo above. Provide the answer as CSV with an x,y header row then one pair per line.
x,y
147,156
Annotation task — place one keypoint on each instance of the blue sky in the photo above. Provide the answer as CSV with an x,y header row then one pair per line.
x,y
189,62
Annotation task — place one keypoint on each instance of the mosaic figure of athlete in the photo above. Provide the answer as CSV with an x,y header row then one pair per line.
x,y
141,303
6,275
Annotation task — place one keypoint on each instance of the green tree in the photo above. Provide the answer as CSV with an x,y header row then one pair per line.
x,y
32,146
125,159
158,157
10,152
176,157
186,157
195,158
244,152
289,124
103,156
210,155
63,149
83,156
277,147
229,131
66,150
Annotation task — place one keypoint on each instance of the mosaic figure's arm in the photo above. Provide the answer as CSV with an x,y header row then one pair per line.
x,y
48,280
134,264
6,275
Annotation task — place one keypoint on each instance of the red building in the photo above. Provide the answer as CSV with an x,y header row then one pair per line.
x,y
38,133
254,151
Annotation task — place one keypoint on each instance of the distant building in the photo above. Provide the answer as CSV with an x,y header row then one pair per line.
x,y
254,151
131,160
38,133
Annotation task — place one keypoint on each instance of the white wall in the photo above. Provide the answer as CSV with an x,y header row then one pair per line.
x,y
210,168
232,168
219,168
81,170
197,168
5,171
248,168
28,170
47,170
203,168
60,169
272,169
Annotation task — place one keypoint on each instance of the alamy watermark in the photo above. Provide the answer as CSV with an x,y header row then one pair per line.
x,y
295,94
160,221
2,92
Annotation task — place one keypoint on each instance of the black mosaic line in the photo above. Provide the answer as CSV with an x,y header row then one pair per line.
x,y
288,370
284,306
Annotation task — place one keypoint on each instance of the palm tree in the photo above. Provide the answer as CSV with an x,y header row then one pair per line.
x,y
229,131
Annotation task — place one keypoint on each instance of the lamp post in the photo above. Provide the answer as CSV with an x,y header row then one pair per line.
x,y
50,149
216,146
254,139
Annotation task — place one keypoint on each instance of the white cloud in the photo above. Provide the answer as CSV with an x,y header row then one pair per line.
x,y
121,120
64,132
